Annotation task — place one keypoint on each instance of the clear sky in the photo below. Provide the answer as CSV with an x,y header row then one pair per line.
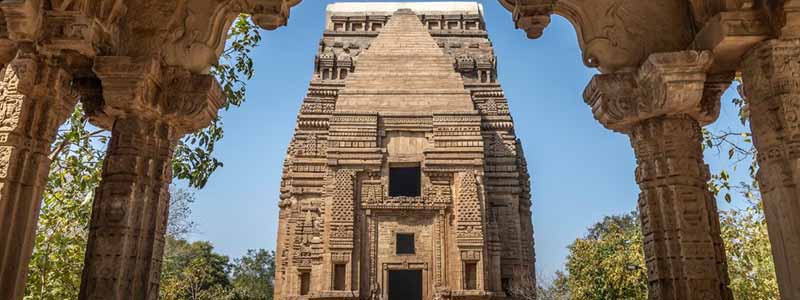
x,y
580,170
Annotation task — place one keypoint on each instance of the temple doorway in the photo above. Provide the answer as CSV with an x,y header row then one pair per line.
x,y
405,285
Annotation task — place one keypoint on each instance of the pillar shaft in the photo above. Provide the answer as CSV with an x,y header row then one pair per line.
x,y
772,84
29,120
661,107
129,217
683,249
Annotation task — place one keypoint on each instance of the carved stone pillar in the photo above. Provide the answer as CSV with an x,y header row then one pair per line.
x,y
661,108
148,108
771,78
35,98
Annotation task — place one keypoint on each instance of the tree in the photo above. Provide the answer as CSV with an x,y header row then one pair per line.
x,y
253,275
193,271
77,155
551,289
608,264
750,264
180,222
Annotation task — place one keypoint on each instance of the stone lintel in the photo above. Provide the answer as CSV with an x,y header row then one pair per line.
x,y
729,35
666,84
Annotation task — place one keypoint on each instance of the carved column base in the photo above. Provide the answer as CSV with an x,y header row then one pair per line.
x,y
683,249
29,119
772,85
129,217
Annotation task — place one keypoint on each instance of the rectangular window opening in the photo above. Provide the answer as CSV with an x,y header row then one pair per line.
x,y
470,276
405,243
339,274
305,282
405,181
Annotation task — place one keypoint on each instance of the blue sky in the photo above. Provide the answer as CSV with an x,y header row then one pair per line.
x,y
580,170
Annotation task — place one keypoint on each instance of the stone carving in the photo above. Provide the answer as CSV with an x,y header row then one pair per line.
x,y
772,88
35,98
661,108
145,121
613,34
5,156
452,146
669,147
51,52
667,83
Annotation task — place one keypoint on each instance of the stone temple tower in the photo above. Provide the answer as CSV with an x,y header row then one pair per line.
x,y
404,179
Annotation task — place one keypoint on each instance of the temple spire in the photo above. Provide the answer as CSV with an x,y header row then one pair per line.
x,y
404,70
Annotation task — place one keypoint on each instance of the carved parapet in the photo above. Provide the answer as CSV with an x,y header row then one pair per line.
x,y
145,88
666,84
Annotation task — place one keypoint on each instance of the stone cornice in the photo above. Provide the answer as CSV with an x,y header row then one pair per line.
x,y
666,84
190,33
618,35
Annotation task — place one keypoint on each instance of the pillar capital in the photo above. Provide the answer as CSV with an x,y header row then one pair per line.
x,y
666,84
771,69
146,89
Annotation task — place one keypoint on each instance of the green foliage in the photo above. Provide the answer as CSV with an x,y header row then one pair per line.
x,y
253,274
193,271
556,288
750,264
608,264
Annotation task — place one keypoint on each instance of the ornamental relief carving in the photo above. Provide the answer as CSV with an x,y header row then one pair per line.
x,y
10,110
667,83
5,161
615,35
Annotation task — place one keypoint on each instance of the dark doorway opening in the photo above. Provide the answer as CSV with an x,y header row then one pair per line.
x,y
405,285
404,181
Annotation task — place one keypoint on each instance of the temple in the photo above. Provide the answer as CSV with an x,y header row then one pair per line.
x,y
404,179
